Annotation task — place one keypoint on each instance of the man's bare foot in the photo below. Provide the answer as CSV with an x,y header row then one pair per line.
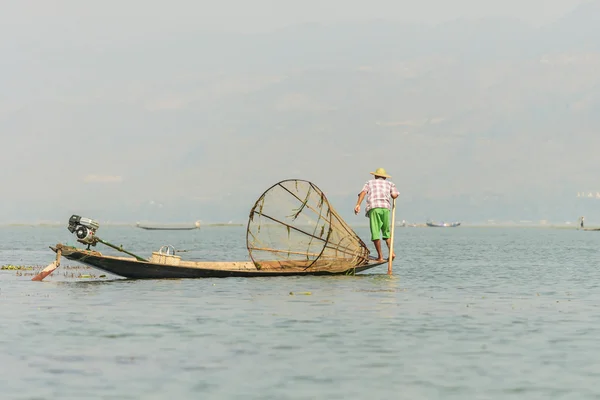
x,y
393,256
379,260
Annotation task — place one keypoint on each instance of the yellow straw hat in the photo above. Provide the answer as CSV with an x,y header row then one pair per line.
x,y
380,172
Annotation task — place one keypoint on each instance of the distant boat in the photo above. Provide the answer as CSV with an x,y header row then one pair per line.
x,y
168,228
580,225
443,225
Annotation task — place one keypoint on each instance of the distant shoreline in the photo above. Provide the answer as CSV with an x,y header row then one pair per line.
x,y
362,225
117,224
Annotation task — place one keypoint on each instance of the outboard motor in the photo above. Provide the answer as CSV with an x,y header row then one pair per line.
x,y
84,229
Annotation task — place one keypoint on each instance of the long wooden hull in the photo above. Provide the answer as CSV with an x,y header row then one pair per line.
x,y
134,269
160,228
453,225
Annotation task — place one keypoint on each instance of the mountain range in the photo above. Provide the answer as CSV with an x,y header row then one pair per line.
x,y
474,119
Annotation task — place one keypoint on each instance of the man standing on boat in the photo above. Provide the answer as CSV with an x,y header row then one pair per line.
x,y
378,192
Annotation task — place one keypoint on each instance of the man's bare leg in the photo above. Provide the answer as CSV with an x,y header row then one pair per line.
x,y
389,242
377,244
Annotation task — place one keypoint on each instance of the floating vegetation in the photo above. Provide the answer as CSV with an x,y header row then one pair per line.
x,y
300,293
68,271
11,267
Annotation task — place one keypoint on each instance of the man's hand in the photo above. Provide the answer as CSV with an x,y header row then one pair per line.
x,y
361,196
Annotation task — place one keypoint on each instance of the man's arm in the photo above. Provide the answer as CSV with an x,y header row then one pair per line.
x,y
361,196
394,191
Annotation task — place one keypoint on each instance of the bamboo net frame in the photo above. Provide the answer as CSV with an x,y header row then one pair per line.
x,y
294,223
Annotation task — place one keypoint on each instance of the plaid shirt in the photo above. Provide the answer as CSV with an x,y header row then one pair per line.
x,y
378,194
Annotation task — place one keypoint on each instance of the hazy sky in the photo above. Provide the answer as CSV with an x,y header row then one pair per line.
x,y
76,75
109,18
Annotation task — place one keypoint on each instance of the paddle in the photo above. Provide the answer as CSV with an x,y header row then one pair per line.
x,y
49,269
392,237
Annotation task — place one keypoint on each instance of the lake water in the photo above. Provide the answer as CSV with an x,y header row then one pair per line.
x,y
470,313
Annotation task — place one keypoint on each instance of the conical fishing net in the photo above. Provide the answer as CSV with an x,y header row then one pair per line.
x,y
293,223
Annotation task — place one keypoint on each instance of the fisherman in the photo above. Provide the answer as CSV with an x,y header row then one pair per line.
x,y
581,222
378,192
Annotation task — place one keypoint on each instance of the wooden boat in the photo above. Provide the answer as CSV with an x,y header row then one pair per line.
x,y
164,266
168,228
443,225
292,231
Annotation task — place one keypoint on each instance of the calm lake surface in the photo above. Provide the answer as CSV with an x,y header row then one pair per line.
x,y
470,313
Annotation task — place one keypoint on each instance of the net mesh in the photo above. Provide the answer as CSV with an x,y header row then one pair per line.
x,y
293,223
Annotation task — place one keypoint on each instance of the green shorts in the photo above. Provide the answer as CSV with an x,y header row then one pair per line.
x,y
379,219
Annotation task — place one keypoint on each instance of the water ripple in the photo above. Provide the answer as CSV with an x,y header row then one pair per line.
x,y
469,313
